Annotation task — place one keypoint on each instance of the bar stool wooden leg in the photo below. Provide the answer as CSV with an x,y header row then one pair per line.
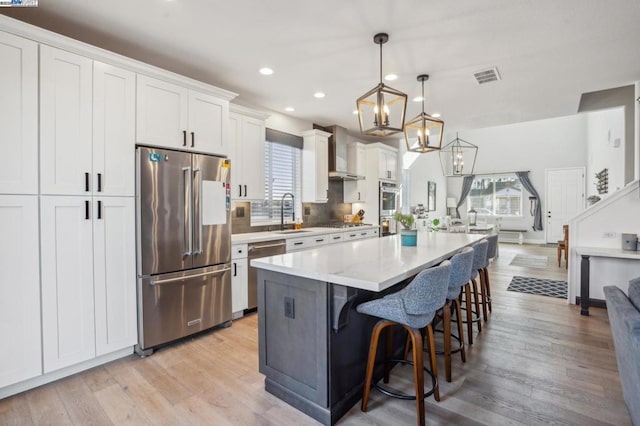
x,y
467,296
418,372
483,289
476,302
488,286
434,364
388,350
446,318
458,309
373,346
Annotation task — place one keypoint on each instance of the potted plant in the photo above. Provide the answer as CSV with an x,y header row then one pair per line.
x,y
408,235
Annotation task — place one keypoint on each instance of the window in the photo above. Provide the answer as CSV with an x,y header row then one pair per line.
x,y
497,195
281,175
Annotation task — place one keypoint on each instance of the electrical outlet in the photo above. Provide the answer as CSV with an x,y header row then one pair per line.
x,y
609,235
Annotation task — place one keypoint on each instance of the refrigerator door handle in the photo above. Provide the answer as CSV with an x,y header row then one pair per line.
x,y
187,277
188,230
199,225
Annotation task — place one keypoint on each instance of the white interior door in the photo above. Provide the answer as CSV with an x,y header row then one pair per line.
x,y
564,199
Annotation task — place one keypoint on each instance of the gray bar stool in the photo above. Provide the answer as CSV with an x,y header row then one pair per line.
x,y
479,258
461,265
485,283
413,308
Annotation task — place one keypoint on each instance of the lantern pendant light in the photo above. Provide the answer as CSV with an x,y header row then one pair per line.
x,y
382,107
428,130
458,157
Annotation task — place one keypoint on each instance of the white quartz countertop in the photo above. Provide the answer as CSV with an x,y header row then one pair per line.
x,y
372,264
256,237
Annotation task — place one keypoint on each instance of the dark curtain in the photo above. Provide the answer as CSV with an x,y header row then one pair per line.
x,y
526,182
466,188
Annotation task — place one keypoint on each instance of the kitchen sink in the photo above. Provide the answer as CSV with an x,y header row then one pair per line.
x,y
291,231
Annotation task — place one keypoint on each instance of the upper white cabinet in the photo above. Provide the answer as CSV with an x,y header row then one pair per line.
x,y
355,191
65,122
20,357
173,116
18,115
114,91
247,137
315,166
387,163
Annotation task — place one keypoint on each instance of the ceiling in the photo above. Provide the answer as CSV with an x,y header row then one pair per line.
x,y
548,52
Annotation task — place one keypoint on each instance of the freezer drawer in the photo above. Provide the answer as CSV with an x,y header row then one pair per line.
x,y
171,306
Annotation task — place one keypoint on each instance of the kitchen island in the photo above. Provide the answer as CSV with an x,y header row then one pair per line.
x,y
313,344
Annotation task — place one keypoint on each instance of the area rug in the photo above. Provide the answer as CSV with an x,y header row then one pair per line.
x,y
530,261
539,286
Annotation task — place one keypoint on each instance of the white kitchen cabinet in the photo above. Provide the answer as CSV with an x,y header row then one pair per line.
x,y
65,122
239,279
114,261
114,91
20,357
355,190
304,243
18,115
172,116
88,278
315,166
68,330
387,163
247,136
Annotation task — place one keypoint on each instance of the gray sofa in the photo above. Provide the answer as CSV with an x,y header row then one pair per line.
x,y
624,317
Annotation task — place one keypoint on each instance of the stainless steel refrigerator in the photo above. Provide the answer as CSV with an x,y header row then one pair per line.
x,y
184,244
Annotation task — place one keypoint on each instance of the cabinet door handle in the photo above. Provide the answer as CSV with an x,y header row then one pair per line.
x,y
86,182
99,209
298,243
245,190
86,209
184,138
239,190
358,195
320,240
99,182
235,269
193,139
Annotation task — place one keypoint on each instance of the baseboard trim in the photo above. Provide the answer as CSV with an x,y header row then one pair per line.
x,y
594,303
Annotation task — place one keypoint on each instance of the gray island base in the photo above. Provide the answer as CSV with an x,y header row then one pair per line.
x,y
313,345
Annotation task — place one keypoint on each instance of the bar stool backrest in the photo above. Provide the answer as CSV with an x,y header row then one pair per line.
x,y
479,257
461,265
492,248
428,291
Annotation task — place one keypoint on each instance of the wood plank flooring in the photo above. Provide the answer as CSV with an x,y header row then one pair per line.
x,y
536,361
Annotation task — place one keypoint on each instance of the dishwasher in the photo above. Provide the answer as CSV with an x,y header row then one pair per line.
x,y
256,250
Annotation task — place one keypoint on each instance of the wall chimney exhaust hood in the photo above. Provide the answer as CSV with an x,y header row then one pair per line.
x,y
338,155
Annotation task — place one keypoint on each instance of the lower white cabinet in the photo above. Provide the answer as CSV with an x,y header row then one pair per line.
x,y
88,277
20,356
239,278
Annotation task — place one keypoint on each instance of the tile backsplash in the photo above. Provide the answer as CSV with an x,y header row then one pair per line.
x,y
319,213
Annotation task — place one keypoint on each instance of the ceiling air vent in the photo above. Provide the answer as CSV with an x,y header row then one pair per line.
x,y
487,76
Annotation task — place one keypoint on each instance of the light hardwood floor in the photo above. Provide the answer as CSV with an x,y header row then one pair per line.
x,y
537,361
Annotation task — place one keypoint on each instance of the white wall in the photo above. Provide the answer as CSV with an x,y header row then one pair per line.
x,y
287,123
534,146
426,167
605,142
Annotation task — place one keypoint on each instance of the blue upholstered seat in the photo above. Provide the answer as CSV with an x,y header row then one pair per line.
x,y
492,248
479,257
416,304
461,265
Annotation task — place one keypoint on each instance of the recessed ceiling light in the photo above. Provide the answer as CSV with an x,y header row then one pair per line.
x,y
391,77
319,95
290,109
435,115
355,112
417,99
266,71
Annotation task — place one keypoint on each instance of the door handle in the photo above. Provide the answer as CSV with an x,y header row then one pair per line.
x,y
86,210
193,139
239,190
99,182
187,229
99,209
184,138
187,277
86,182
245,190
199,172
235,269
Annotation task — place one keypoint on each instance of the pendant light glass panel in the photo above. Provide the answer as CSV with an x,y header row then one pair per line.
x,y
382,109
458,158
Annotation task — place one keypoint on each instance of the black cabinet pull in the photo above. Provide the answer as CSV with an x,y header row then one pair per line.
x,y
193,139
184,138
235,269
358,196
86,209
298,243
99,209
245,190
239,190
99,182
86,182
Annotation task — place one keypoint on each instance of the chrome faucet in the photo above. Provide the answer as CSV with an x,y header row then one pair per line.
x,y
293,212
